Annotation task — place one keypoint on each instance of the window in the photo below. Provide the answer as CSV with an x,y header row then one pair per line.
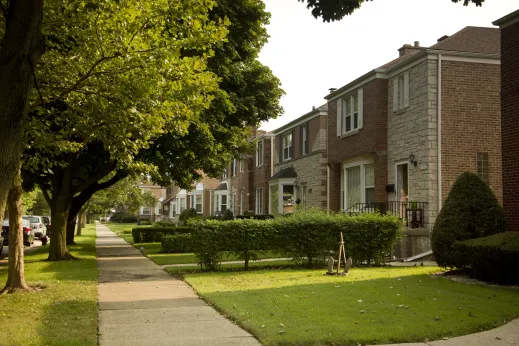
x,y
259,201
350,109
369,183
483,166
223,203
198,203
182,204
224,174
303,195
233,168
287,147
359,184
241,166
401,92
146,210
304,139
259,153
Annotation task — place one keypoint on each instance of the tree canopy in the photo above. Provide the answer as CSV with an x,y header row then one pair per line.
x,y
334,10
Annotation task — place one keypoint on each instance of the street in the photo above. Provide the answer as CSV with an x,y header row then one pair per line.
x,y
5,250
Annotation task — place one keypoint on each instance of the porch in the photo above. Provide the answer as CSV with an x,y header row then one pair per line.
x,y
414,213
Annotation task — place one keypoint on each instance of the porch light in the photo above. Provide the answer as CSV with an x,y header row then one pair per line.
x,y
412,159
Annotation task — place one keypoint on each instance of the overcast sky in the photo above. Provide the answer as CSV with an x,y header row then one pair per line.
x,y
310,56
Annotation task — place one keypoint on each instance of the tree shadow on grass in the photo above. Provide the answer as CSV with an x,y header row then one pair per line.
x,y
357,309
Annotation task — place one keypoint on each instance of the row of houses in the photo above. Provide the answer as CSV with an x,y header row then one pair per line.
x,y
394,139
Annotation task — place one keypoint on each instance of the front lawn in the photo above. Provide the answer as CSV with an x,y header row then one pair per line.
x,y
118,228
372,305
64,312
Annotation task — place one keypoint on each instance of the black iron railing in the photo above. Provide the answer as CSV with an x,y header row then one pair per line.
x,y
414,213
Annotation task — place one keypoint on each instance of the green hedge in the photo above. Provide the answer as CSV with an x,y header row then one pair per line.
x,y
155,234
304,236
494,258
178,243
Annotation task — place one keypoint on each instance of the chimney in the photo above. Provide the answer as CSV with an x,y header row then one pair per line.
x,y
407,48
313,108
442,38
331,90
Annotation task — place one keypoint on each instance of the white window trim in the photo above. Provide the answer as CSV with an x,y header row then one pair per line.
x,y
345,166
142,211
259,201
399,163
287,147
401,98
234,168
346,111
280,183
259,153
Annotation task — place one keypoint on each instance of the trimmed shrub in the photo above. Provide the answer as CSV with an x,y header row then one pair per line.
x,y
470,211
227,215
305,236
493,258
178,243
255,217
165,223
122,217
155,234
187,214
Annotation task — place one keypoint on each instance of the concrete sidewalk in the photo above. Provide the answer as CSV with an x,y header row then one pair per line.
x,y
140,304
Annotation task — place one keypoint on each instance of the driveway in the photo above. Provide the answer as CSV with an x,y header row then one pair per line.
x,y
5,251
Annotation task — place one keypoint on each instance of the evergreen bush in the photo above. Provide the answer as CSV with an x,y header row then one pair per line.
x,y
155,234
470,211
187,214
177,243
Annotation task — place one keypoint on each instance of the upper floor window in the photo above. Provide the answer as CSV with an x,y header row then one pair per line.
x,y
350,113
287,147
241,166
233,167
304,139
401,92
259,153
146,210
483,166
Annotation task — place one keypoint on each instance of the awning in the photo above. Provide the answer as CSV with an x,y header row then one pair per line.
x,y
222,186
288,172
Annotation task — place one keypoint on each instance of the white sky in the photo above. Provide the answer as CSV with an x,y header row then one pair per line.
x,y
310,56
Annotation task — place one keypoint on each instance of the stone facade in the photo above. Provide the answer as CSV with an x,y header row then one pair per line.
x,y
414,130
510,116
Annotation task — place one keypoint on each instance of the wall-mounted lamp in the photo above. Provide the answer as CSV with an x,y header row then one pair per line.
x,y
296,185
412,159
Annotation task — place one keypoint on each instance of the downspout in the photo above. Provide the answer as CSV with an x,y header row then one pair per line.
x,y
272,155
439,112
327,171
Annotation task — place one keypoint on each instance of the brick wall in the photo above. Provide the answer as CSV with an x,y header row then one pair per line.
x,y
510,122
261,175
471,121
371,140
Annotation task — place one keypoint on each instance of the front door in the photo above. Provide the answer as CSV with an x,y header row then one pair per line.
x,y
402,186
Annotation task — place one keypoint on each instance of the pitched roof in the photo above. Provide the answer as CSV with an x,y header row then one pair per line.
x,y
473,39
288,172
401,59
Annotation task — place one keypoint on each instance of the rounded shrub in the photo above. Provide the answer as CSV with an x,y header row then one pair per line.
x,y
227,215
470,211
187,214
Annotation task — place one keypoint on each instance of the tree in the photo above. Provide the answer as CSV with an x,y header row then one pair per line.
x,y
470,211
20,50
110,82
15,273
332,10
71,157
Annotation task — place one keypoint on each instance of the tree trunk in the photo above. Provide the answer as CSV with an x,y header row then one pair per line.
x,y
60,207
80,222
21,49
71,227
15,276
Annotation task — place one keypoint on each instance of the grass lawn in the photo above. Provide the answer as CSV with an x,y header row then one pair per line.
x,y
119,227
372,305
65,311
182,270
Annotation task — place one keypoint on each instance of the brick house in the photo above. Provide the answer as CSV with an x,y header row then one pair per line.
x,y
152,212
299,160
509,26
386,153
262,171
200,197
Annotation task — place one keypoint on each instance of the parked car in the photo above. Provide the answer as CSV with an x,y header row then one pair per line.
x,y
40,230
46,222
28,232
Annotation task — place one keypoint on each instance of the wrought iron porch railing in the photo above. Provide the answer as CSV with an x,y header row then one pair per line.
x,y
414,213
